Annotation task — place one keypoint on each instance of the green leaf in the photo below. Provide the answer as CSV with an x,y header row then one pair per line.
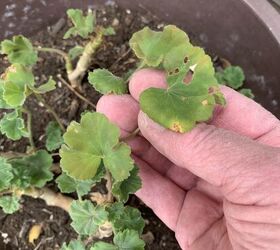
x,y
125,240
103,246
121,190
234,76
220,78
153,48
107,83
109,31
86,217
9,204
6,174
119,162
75,52
3,103
54,136
32,170
73,245
83,25
178,113
46,87
16,79
19,50
115,211
87,143
12,125
181,105
128,240
130,219
247,92
68,184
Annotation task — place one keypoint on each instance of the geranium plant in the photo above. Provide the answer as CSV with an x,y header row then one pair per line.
x,y
91,150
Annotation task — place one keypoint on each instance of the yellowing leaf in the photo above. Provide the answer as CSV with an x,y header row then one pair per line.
x,y
153,47
182,104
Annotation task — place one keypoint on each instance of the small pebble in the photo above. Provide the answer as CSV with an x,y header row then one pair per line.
x,y
115,22
148,237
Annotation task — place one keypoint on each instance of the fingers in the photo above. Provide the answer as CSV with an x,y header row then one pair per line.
x,y
160,194
241,114
197,215
216,155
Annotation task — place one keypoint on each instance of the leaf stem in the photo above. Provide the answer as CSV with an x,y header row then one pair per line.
x,y
109,184
77,93
68,62
131,135
51,110
29,128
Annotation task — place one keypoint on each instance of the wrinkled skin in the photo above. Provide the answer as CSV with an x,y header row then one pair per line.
x,y
218,186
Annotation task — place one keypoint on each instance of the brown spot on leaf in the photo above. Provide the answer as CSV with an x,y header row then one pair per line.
x,y
186,59
204,102
176,71
170,73
176,126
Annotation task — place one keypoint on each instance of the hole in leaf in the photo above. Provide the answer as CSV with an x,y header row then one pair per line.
x,y
188,77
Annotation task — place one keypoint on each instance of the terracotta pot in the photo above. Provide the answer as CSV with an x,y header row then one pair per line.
x,y
247,32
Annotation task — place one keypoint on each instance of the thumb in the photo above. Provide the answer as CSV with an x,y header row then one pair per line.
x,y
221,157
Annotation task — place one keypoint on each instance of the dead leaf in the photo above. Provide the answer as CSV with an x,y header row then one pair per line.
x,y
34,233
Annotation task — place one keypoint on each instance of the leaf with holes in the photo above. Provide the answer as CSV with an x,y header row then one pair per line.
x,y
83,25
19,50
107,83
183,103
12,125
86,217
6,174
9,204
90,142
54,136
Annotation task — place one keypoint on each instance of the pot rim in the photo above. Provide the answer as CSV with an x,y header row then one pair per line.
x,y
267,14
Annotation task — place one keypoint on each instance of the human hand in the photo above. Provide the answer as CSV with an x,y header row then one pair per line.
x,y
218,186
